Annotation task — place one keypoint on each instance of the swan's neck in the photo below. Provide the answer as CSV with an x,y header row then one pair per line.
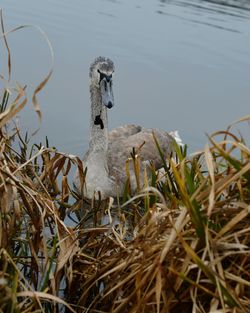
x,y
96,161
98,123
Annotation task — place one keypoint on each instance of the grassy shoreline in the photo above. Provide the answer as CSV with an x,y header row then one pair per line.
x,y
181,243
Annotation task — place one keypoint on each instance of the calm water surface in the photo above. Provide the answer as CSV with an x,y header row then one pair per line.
x,y
179,64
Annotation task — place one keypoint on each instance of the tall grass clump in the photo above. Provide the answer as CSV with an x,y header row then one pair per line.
x,y
35,244
181,244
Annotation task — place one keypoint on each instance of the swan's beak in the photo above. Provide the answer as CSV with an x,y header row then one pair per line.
x,y
107,93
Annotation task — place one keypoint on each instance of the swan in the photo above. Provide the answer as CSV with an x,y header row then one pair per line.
x,y
108,151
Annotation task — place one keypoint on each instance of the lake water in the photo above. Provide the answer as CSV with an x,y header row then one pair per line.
x,y
179,64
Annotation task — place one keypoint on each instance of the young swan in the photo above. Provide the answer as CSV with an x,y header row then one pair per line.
x,y
108,152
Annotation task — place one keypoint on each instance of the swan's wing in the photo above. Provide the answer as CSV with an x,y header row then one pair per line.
x,y
123,132
121,147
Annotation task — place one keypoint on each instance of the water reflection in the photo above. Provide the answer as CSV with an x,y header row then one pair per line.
x,y
236,4
237,9
200,22
213,11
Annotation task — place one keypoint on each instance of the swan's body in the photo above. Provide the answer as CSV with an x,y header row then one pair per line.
x,y
108,152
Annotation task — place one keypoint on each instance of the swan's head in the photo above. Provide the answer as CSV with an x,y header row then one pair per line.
x,y
101,75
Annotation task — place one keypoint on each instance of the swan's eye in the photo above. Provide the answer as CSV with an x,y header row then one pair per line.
x,y
106,78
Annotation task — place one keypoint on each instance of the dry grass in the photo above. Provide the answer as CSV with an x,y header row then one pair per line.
x,y
180,245
181,250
